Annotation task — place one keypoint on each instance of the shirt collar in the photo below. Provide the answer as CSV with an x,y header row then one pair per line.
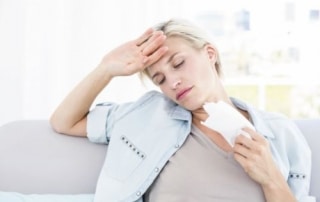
x,y
178,112
175,111
255,116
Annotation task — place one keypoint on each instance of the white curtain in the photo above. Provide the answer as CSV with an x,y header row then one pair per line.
x,y
48,46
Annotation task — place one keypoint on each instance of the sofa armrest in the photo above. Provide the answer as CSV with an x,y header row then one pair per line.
x,y
35,159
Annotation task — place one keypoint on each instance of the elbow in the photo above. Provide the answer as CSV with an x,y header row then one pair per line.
x,y
57,125
63,126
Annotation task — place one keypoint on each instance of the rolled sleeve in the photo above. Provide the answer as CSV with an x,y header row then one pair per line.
x,y
300,166
300,184
97,119
307,199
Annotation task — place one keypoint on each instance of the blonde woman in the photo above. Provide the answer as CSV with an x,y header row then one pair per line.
x,y
158,147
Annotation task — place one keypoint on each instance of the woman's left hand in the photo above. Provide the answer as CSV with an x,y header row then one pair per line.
x,y
255,157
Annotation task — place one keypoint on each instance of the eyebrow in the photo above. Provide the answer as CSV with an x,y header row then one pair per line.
x,y
168,61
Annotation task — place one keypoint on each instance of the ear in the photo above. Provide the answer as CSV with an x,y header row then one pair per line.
x,y
212,53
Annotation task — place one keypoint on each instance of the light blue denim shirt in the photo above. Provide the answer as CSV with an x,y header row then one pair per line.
x,y
143,135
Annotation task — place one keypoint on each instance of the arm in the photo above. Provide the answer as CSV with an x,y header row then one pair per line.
x,y
71,115
255,157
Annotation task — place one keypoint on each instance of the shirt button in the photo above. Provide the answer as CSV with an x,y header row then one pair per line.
x,y
138,193
177,146
156,170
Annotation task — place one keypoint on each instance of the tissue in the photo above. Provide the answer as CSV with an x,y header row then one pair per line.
x,y
226,120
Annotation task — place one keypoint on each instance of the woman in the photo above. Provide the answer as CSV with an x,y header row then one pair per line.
x,y
158,148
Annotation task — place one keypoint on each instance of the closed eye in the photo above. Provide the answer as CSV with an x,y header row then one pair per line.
x,y
178,65
159,79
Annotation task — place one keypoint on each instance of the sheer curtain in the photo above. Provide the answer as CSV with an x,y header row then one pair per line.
x,y
48,46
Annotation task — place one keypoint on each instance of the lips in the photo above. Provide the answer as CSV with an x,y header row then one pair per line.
x,y
181,94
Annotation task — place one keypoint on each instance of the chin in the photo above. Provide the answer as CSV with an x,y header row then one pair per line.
x,y
191,106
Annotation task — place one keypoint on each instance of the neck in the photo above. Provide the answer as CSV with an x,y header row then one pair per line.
x,y
199,115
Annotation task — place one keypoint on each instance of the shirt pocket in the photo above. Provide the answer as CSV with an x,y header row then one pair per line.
x,y
125,159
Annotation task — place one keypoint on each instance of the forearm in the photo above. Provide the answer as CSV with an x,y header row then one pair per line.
x,y
76,105
278,191
127,59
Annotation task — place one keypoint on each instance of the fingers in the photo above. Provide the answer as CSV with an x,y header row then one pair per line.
x,y
151,46
149,37
153,43
144,37
155,56
255,157
245,139
246,152
245,146
154,48
254,135
241,160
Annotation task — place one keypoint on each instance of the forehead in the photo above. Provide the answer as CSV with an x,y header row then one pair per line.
x,y
175,42
176,46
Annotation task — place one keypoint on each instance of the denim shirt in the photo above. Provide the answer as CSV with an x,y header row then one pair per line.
x,y
143,135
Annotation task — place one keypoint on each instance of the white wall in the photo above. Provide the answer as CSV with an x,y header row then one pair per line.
x,y
47,46
11,59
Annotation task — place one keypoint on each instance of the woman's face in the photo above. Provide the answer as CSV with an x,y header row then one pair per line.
x,y
187,75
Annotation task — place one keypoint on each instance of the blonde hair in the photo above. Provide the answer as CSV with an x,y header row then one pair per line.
x,y
182,28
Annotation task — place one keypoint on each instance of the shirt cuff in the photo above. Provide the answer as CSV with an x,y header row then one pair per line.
x,y
307,199
96,124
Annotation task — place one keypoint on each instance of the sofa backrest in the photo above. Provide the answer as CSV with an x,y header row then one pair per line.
x,y
35,159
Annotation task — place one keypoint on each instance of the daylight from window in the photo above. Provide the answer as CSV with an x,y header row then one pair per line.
x,y
270,51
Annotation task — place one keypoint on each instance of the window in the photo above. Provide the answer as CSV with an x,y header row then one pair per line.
x,y
268,52
314,15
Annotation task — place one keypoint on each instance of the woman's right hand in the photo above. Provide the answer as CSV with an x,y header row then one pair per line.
x,y
135,55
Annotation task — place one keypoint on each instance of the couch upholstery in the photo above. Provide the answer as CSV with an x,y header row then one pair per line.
x,y
35,159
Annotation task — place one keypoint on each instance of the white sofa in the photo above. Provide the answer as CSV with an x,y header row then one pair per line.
x,y
36,160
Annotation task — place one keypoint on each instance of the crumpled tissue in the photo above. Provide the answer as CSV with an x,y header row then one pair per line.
x,y
226,120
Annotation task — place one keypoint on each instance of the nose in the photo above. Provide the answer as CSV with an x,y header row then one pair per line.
x,y
176,83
